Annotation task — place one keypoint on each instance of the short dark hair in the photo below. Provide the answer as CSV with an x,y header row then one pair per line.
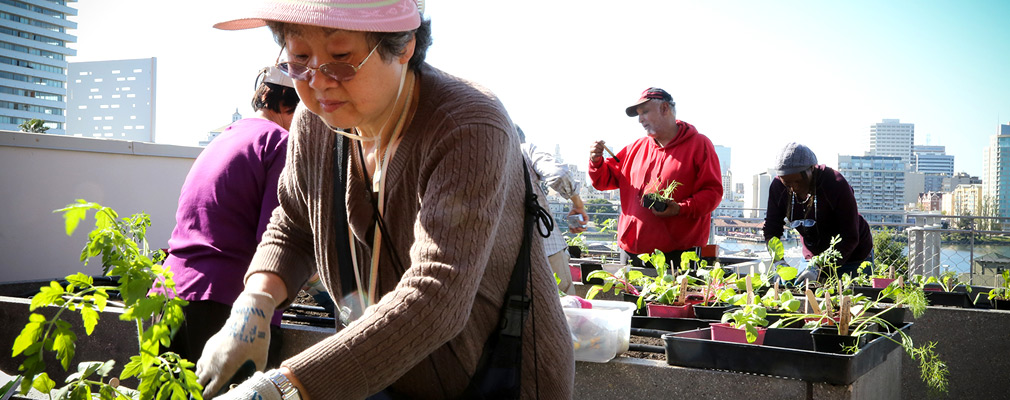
x,y
274,97
393,43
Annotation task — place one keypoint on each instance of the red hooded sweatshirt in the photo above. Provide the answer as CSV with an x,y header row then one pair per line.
x,y
689,159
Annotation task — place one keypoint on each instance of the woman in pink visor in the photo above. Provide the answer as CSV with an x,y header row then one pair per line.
x,y
405,189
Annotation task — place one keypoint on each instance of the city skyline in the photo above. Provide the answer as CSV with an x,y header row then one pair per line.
x,y
750,76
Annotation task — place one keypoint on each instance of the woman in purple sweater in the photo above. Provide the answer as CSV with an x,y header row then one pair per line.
x,y
224,208
819,203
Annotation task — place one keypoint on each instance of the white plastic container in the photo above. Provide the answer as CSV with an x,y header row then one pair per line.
x,y
601,333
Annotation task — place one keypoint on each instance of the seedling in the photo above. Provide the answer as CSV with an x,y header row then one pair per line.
x,y
116,240
658,195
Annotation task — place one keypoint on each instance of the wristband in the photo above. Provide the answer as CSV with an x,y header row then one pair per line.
x,y
287,389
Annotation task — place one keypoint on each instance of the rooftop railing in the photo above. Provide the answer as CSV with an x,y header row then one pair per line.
x,y
974,249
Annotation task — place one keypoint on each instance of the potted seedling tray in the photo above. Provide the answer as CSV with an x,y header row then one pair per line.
x,y
786,353
958,297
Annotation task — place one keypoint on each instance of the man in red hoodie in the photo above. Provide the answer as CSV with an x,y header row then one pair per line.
x,y
671,151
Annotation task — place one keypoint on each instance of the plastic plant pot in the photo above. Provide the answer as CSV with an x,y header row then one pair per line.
x,y
631,298
880,283
671,311
652,201
576,271
827,340
587,268
895,317
574,251
712,312
725,332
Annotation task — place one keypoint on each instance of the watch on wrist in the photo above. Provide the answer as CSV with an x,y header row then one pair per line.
x,y
287,389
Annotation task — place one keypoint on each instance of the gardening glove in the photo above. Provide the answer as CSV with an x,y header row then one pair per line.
x,y
257,386
809,274
240,347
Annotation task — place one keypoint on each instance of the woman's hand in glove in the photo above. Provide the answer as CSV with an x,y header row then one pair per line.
x,y
242,342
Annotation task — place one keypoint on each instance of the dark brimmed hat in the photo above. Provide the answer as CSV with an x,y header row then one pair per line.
x,y
794,158
652,93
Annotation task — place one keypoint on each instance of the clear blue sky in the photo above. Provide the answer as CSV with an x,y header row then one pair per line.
x,y
750,75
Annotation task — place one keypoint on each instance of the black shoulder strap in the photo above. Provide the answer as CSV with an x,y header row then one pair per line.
x,y
516,300
341,148
499,371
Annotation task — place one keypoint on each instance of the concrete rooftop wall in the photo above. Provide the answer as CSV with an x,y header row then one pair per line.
x,y
40,173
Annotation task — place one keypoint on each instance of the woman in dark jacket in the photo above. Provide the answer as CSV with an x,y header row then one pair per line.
x,y
818,202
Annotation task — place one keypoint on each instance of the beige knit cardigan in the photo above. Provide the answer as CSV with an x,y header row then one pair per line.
x,y
454,211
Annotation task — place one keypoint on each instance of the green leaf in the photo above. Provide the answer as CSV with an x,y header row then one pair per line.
x,y
30,334
787,273
752,333
63,344
775,249
142,309
101,298
106,393
90,318
48,295
80,280
88,368
43,384
178,393
72,216
131,368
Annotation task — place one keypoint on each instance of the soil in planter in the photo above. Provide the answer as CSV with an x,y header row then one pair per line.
x,y
654,202
643,354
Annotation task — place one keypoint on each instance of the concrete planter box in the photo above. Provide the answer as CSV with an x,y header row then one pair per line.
x,y
973,342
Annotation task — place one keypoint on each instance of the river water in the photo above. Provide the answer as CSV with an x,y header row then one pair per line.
x,y
955,257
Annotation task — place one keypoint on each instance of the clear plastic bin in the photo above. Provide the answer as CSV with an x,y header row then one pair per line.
x,y
601,333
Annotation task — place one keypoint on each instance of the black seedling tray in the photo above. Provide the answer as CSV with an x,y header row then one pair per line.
x,y
786,353
669,324
949,299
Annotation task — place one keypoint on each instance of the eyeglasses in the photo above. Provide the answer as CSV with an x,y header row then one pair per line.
x,y
338,71
806,223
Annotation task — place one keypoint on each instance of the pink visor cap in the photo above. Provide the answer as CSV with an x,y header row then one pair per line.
x,y
351,15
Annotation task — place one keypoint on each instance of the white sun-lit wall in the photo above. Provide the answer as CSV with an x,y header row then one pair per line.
x,y
112,99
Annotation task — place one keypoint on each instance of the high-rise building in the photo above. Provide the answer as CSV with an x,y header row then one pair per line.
x,y
33,66
960,178
963,200
725,153
934,163
759,194
112,99
892,138
878,183
996,171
